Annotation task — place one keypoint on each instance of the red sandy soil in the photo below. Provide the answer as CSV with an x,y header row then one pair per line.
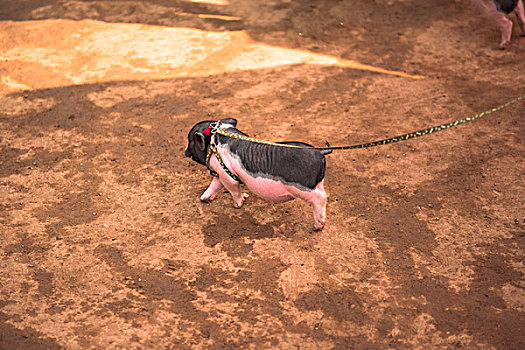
x,y
105,244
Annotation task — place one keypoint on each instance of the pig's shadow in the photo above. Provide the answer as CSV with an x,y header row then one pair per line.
x,y
236,233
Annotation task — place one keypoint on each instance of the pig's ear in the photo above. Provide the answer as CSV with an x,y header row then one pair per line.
x,y
200,141
231,121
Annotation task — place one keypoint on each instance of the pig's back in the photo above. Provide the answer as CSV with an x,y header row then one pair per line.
x,y
301,168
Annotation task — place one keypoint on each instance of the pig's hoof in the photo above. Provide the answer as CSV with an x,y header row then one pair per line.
x,y
238,205
206,199
318,227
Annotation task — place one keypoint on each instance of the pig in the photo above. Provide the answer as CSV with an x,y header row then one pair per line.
x,y
275,173
496,11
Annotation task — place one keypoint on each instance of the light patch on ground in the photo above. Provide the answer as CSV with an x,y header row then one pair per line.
x,y
85,52
452,256
299,277
514,296
13,106
211,2
12,84
425,332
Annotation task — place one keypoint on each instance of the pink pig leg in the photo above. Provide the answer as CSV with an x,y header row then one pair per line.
x,y
505,26
488,8
225,180
317,198
319,207
520,16
212,190
234,188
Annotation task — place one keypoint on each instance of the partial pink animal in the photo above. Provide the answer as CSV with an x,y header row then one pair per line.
x,y
497,10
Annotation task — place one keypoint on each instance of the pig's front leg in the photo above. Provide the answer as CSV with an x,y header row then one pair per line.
x,y
212,190
234,188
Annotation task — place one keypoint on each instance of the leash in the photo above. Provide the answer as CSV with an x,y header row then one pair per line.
x,y
214,129
394,139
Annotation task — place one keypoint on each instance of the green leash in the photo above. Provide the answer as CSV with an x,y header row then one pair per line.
x,y
394,139
215,130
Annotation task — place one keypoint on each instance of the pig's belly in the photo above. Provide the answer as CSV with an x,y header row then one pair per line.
x,y
268,189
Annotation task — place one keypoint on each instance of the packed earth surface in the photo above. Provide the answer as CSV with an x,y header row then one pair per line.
x,y
106,245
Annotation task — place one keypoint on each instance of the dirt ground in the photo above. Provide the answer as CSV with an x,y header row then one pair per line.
x,y
105,244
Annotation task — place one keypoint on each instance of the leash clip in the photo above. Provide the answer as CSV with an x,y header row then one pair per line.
x,y
215,126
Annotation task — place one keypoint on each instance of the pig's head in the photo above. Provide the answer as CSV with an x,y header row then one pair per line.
x,y
198,142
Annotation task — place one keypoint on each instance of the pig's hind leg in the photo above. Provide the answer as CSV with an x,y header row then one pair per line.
x,y
317,198
212,190
489,10
319,207
519,11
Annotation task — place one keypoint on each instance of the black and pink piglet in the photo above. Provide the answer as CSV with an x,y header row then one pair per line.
x,y
275,173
